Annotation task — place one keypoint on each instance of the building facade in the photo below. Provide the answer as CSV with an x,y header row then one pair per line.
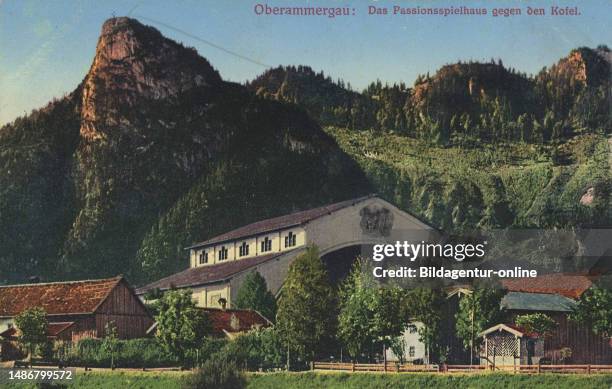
x,y
219,265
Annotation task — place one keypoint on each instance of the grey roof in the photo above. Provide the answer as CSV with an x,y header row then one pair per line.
x,y
537,302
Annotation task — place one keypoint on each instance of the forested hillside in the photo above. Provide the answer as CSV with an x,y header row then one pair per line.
x,y
476,144
463,103
154,150
150,153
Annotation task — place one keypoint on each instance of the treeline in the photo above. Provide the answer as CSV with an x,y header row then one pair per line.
x,y
463,103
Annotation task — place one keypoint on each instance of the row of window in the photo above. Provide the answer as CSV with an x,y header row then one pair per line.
x,y
243,249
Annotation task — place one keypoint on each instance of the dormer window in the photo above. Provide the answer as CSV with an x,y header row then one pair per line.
x,y
266,245
222,253
290,239
243,250
203,257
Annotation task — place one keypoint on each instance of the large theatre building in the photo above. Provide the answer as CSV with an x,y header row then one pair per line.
x,y
341,231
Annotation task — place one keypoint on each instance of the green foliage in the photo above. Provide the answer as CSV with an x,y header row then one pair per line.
x,y
110,342
254,294
491,186
260,349
32,324
181,327
594,308
306,306
176,380
131,353
398,347
478,311
429,381
369,315
463,104
35,155
219,372
425,305
538,323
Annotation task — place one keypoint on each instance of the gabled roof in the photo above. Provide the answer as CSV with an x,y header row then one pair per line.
x,y
522,301
53,330
56,298
514,330
208,274
281,222
230,321
568,285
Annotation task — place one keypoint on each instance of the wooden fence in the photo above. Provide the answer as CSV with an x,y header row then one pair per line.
x,y
391,367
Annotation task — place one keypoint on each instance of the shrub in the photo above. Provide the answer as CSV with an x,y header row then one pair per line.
x,y
130,353
256,350
209,347
219,372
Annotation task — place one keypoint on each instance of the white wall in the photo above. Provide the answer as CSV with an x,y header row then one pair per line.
x,y
4,324
411,339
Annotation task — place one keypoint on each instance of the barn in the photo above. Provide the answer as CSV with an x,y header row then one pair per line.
x,y
554,295
77,309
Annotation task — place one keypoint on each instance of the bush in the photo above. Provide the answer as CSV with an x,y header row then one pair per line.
x,y
211,346
130,353
219,372
255,350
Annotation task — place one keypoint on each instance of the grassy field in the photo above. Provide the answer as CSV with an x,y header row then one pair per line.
x,y
170,380
411,380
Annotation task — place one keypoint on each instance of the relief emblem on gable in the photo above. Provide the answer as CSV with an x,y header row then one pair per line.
x,y
376,221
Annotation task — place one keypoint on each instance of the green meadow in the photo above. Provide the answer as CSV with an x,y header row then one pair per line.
x,y
309,380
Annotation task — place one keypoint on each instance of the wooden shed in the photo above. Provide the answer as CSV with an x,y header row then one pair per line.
x,y
78,309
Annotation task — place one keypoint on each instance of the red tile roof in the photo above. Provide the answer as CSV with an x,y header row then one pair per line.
x,y
235,320
53,330
281,222
568,285
201,275
56,298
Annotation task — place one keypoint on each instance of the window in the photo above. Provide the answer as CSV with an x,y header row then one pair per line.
x,y
243,250
411,351
290,239
222,253
203,257
266,245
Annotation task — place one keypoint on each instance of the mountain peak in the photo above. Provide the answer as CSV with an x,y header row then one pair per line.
x,y
135,63
112,24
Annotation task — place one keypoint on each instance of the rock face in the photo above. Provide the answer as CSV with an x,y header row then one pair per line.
x,y
134,63
585,66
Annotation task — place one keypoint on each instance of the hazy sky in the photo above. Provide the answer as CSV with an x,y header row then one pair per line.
x,y
46,47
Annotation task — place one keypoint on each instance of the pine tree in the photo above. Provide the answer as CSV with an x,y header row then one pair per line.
x,y
254,294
